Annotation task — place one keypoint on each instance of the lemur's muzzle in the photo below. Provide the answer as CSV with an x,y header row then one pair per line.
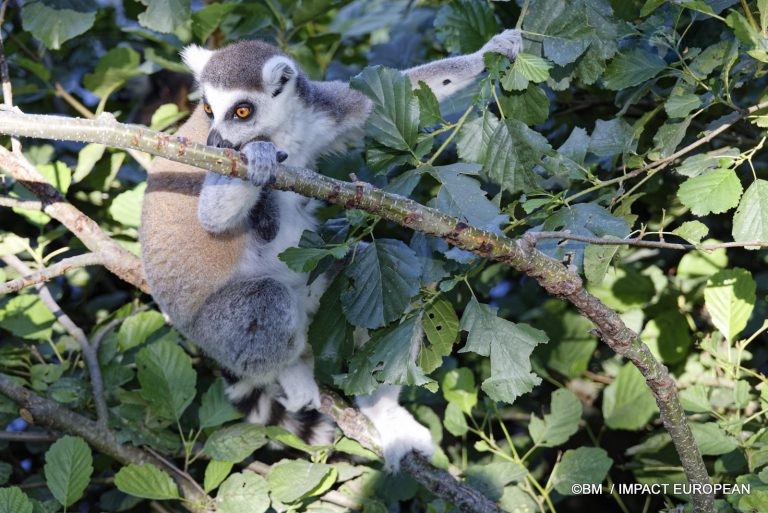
x,y
216,140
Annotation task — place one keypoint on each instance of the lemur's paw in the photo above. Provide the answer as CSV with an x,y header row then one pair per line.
x,y
399,433
263,157
299,387
509,44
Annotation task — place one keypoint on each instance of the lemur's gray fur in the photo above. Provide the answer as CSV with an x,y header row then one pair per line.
x,y
210,243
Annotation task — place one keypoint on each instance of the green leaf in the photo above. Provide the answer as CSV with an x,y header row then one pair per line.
x,y
461,196
394,121
714,191
126,206
569,27
166,115
692,231
698,164
384,276
509,345
454,421
68,468
54,21
527,68
611,137
668,336
235,443
632,68
459,388
530,106
679,106
668,138
330,333
597,259
474,137
304,260
5,472
206,20
58,174
146,481
87,157
244,492
112,71
167,378
135,330
441,325
730,298
390,355
291,480
571,345
627,402
429,107
165,16
513,151
464,26
711,440
216,472
13,500
698,264
560,424
27,317
215,408
750,222
581,466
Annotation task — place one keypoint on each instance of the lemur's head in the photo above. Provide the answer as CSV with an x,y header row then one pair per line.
x,y
248,90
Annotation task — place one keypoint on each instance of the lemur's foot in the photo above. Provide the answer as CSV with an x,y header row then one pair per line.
x,y
299,387
263,157
509,44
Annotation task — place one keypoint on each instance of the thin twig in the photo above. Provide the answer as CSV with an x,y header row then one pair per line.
x,y
6,78
89,354
640,243
7,201
28,436
50,272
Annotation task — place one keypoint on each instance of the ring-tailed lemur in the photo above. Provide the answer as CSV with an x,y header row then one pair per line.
x,y
211,243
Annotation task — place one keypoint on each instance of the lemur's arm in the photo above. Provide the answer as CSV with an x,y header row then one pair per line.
x,y
450,75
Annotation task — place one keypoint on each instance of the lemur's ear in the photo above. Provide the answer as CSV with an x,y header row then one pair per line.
x,y
277,73
196,57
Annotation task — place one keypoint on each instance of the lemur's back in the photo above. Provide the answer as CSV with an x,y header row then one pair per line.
x,y
184,263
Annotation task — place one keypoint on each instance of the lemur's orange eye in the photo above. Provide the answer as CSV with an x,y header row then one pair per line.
x,y
207,109
243,111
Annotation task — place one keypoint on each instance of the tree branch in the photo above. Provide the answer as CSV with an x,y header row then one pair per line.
x,y
47,413
89,351
50,272
556,279
534,237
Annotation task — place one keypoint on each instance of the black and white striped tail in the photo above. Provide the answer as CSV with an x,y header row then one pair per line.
x,y
259,404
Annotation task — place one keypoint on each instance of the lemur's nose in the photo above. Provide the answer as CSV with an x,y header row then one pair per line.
x,y
215,139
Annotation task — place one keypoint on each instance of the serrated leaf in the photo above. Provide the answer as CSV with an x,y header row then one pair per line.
x,y
27,317
112,71
679,106
454,420
13,500
509,346
459,388
560,424
216,472
87,157
611,137
627,402
54,22
464,26
711,440
474,137
714,191
304,260
698,164
530,106
692,231
291,480
167,378
730,298
126,206
215,408
146,481
513,151
235,443
461,196
581,466
165,16
135,330
669,136
597,259
441,326
68,468
206,20
429,107
394,121
527,68
668,336
750,222
632,68
330,333
245,492
384,276
566,28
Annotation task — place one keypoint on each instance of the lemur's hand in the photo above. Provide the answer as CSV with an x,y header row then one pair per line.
x,y
263,158
299,387
509,44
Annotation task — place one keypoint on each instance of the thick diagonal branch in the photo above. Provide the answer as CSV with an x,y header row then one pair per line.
x,y
556,279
